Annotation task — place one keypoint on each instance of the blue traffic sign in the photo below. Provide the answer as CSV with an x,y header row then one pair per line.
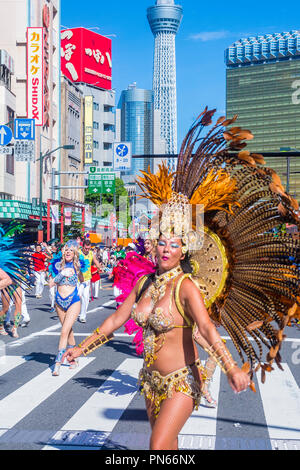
x,y
5,135
24,129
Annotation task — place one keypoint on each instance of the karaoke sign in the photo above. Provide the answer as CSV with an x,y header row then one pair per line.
x,y
35,77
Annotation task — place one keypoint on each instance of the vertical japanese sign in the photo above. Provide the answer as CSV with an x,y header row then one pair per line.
x,y
46,68
35,77
88,129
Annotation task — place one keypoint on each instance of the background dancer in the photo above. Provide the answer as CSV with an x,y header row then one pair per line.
x,y
69,273
85,286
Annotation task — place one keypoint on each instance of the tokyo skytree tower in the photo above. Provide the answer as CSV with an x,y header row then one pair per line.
x,y
164,19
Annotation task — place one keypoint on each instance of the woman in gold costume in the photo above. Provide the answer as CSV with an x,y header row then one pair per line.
x,y
230,285
172,375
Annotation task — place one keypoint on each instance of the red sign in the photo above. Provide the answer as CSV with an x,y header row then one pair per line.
x,y
86,57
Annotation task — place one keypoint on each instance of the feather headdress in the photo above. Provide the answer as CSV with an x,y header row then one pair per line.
x,y
245,273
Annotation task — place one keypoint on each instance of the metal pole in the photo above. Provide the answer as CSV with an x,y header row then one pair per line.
x,y
53,198
40,227
287,174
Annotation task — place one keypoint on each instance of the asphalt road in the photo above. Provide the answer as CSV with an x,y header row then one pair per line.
x,y
98,406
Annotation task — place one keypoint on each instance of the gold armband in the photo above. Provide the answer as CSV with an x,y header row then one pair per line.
x,y
222,356
101,339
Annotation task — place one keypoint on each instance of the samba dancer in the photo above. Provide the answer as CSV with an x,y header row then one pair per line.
x,y
207,275
69,272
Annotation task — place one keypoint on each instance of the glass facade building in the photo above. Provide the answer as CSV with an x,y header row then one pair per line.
x,y
136,107
263,88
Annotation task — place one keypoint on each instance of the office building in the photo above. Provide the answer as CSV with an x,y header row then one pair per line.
x,y
86,61
136,124
15,17
72,119
263,88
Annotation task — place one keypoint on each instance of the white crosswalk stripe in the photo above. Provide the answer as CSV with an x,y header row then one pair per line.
x,y
20,403
8,363
281,401
97,419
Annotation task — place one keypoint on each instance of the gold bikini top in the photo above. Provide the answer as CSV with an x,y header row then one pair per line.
x,y
157,318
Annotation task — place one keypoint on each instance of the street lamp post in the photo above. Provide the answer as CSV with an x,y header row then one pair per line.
x,y
40,226
288,165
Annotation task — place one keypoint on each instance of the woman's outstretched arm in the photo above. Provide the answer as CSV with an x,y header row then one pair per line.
x,y
106,329
209,337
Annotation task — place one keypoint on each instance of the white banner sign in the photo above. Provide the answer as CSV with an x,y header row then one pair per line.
x,y
68,216
88,219
35,75
54,213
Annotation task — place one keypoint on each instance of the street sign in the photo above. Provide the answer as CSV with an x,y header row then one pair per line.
x,y
24,150
6,150
5,135
122,156
94,180
108,183
101,181
24,129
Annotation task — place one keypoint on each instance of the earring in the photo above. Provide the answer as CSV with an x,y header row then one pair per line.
x,y
184,249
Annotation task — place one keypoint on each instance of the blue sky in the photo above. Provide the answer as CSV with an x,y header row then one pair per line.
x,y
207,29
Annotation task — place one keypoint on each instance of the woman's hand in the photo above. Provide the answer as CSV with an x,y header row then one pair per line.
x,y
71,354
238,380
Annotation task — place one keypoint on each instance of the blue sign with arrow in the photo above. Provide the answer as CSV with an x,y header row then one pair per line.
x,y
5,135
24,129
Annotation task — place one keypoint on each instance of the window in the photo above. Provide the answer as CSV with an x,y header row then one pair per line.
x,y
96,106
109,127
108,109
107,146
10,164
96,144
95,125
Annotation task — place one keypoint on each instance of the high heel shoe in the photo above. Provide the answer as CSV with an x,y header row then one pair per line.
x,y
74,364
14,332
58,359
56,369
209,401
3,332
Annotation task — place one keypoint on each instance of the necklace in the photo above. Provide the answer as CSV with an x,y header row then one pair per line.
x,y
158,289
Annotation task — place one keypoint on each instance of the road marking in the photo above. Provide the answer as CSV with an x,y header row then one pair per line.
x,y
204,419
102,411
25,399
28,338
280,397
46,331
105,407
102,306
8,363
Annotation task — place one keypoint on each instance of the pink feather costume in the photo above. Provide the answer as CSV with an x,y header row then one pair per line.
x,y
134,267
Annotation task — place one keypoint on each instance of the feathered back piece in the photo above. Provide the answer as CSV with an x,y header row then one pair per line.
x,y
248,276
15,256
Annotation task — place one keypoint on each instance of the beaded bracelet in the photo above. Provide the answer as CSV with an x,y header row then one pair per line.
x,y
96,343
222,356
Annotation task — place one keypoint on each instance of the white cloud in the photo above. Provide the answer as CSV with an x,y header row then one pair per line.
x,y
209,35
